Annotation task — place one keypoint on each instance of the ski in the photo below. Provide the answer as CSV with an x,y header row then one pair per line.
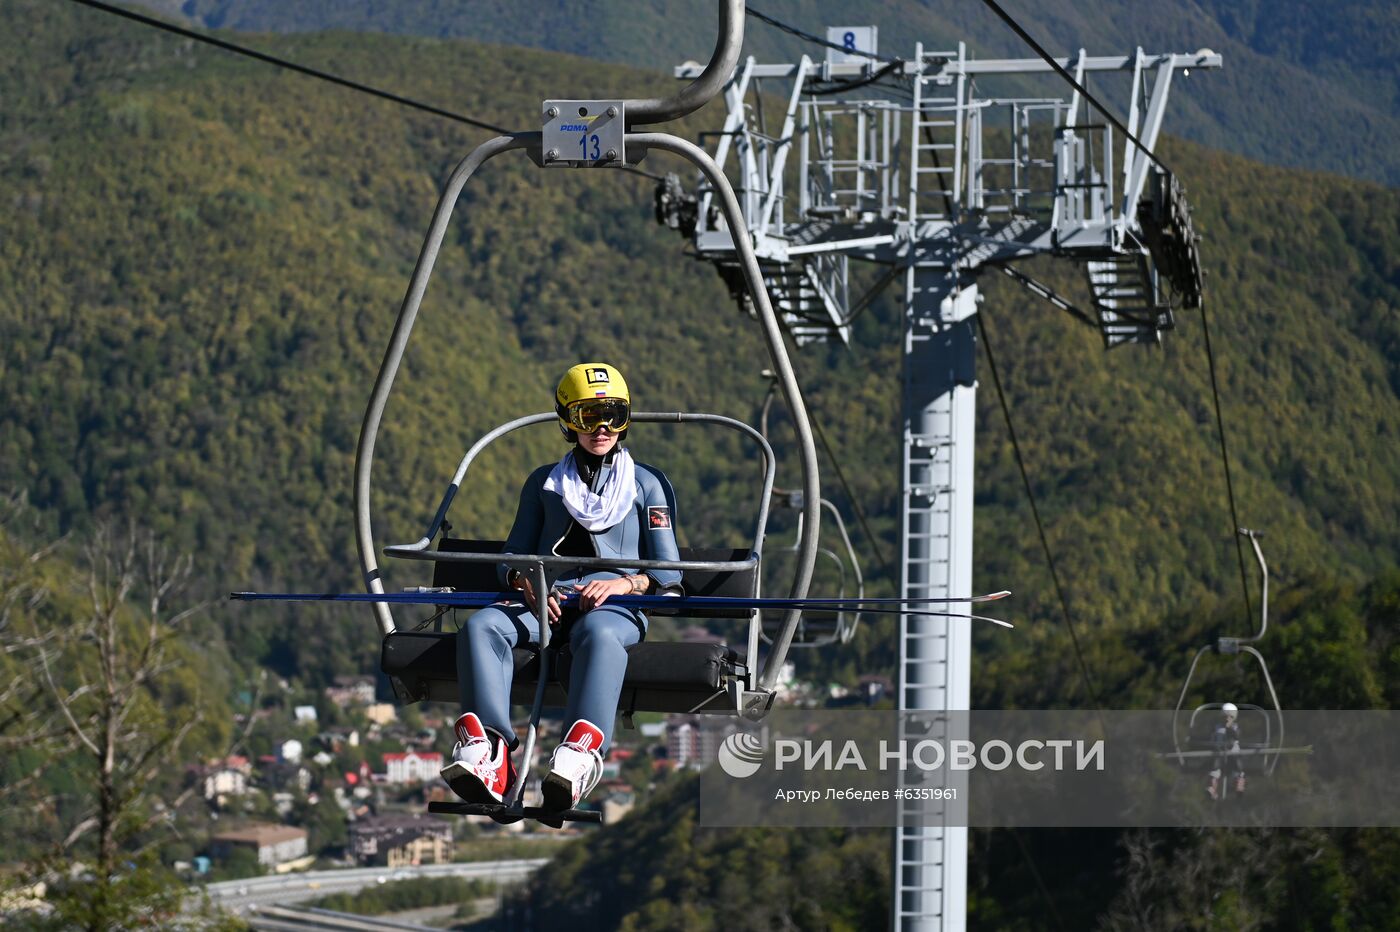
x,y
1242,752
482,599
414,596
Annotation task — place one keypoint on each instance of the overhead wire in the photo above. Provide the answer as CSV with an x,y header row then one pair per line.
x,y
1225,458
1089,683
1006,411
1060,70
1094,696
851,497
288,64
1205,325
1035,874
316,73
841,87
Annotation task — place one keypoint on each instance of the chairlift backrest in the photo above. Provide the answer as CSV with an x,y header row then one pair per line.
x,y
420,550
1207,725
818,629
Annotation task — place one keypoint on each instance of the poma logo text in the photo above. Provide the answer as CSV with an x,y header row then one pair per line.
x,y
933,755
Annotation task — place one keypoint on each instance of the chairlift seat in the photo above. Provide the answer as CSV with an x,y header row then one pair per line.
x,y
661,676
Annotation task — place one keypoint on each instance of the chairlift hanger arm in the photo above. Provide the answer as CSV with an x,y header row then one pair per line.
x,y
728,45
1263,582
1273,694
398,342
409,310
1181,697
846,540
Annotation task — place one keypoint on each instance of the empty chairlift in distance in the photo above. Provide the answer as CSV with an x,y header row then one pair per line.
x,y
1260,729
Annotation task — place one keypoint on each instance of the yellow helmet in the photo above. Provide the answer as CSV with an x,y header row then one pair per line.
x,y
592,395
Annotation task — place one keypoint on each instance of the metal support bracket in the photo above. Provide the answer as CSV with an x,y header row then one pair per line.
x,y
753,704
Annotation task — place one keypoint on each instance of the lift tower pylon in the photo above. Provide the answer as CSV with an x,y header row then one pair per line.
x,y
918,171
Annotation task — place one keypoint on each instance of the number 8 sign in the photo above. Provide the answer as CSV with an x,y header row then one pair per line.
x,y
855,45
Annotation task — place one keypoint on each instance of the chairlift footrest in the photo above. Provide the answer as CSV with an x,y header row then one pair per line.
x,y
504,813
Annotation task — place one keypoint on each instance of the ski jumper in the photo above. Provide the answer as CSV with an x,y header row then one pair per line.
x,y
1225,741
598,639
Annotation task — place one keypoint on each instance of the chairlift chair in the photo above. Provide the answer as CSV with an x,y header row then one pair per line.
x,y
1187,742
818,629
662,676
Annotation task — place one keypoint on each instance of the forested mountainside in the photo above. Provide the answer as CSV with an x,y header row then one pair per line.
x,y
1305,84
204,256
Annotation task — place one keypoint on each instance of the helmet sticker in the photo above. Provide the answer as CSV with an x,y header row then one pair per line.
x,y
659,517
597,375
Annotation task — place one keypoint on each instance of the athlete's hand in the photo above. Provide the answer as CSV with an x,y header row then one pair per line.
x,y
528,591
596,592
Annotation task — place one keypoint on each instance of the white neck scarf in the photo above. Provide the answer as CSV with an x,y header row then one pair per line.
x,y
609,505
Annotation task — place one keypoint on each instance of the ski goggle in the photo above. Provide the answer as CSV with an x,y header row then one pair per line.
x,y
608,413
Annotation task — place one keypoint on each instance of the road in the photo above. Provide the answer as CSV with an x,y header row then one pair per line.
x,y
237,895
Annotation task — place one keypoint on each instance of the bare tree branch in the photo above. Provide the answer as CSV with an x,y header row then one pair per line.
x,y
79,830
44,551
73,727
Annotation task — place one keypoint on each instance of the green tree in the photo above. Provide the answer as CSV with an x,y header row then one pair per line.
x,y
111,706
325,823
241,862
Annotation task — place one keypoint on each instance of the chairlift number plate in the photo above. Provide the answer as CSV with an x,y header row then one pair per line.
x,y
584,132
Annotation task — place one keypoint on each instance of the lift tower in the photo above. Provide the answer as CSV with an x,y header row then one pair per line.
x,y
905,164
